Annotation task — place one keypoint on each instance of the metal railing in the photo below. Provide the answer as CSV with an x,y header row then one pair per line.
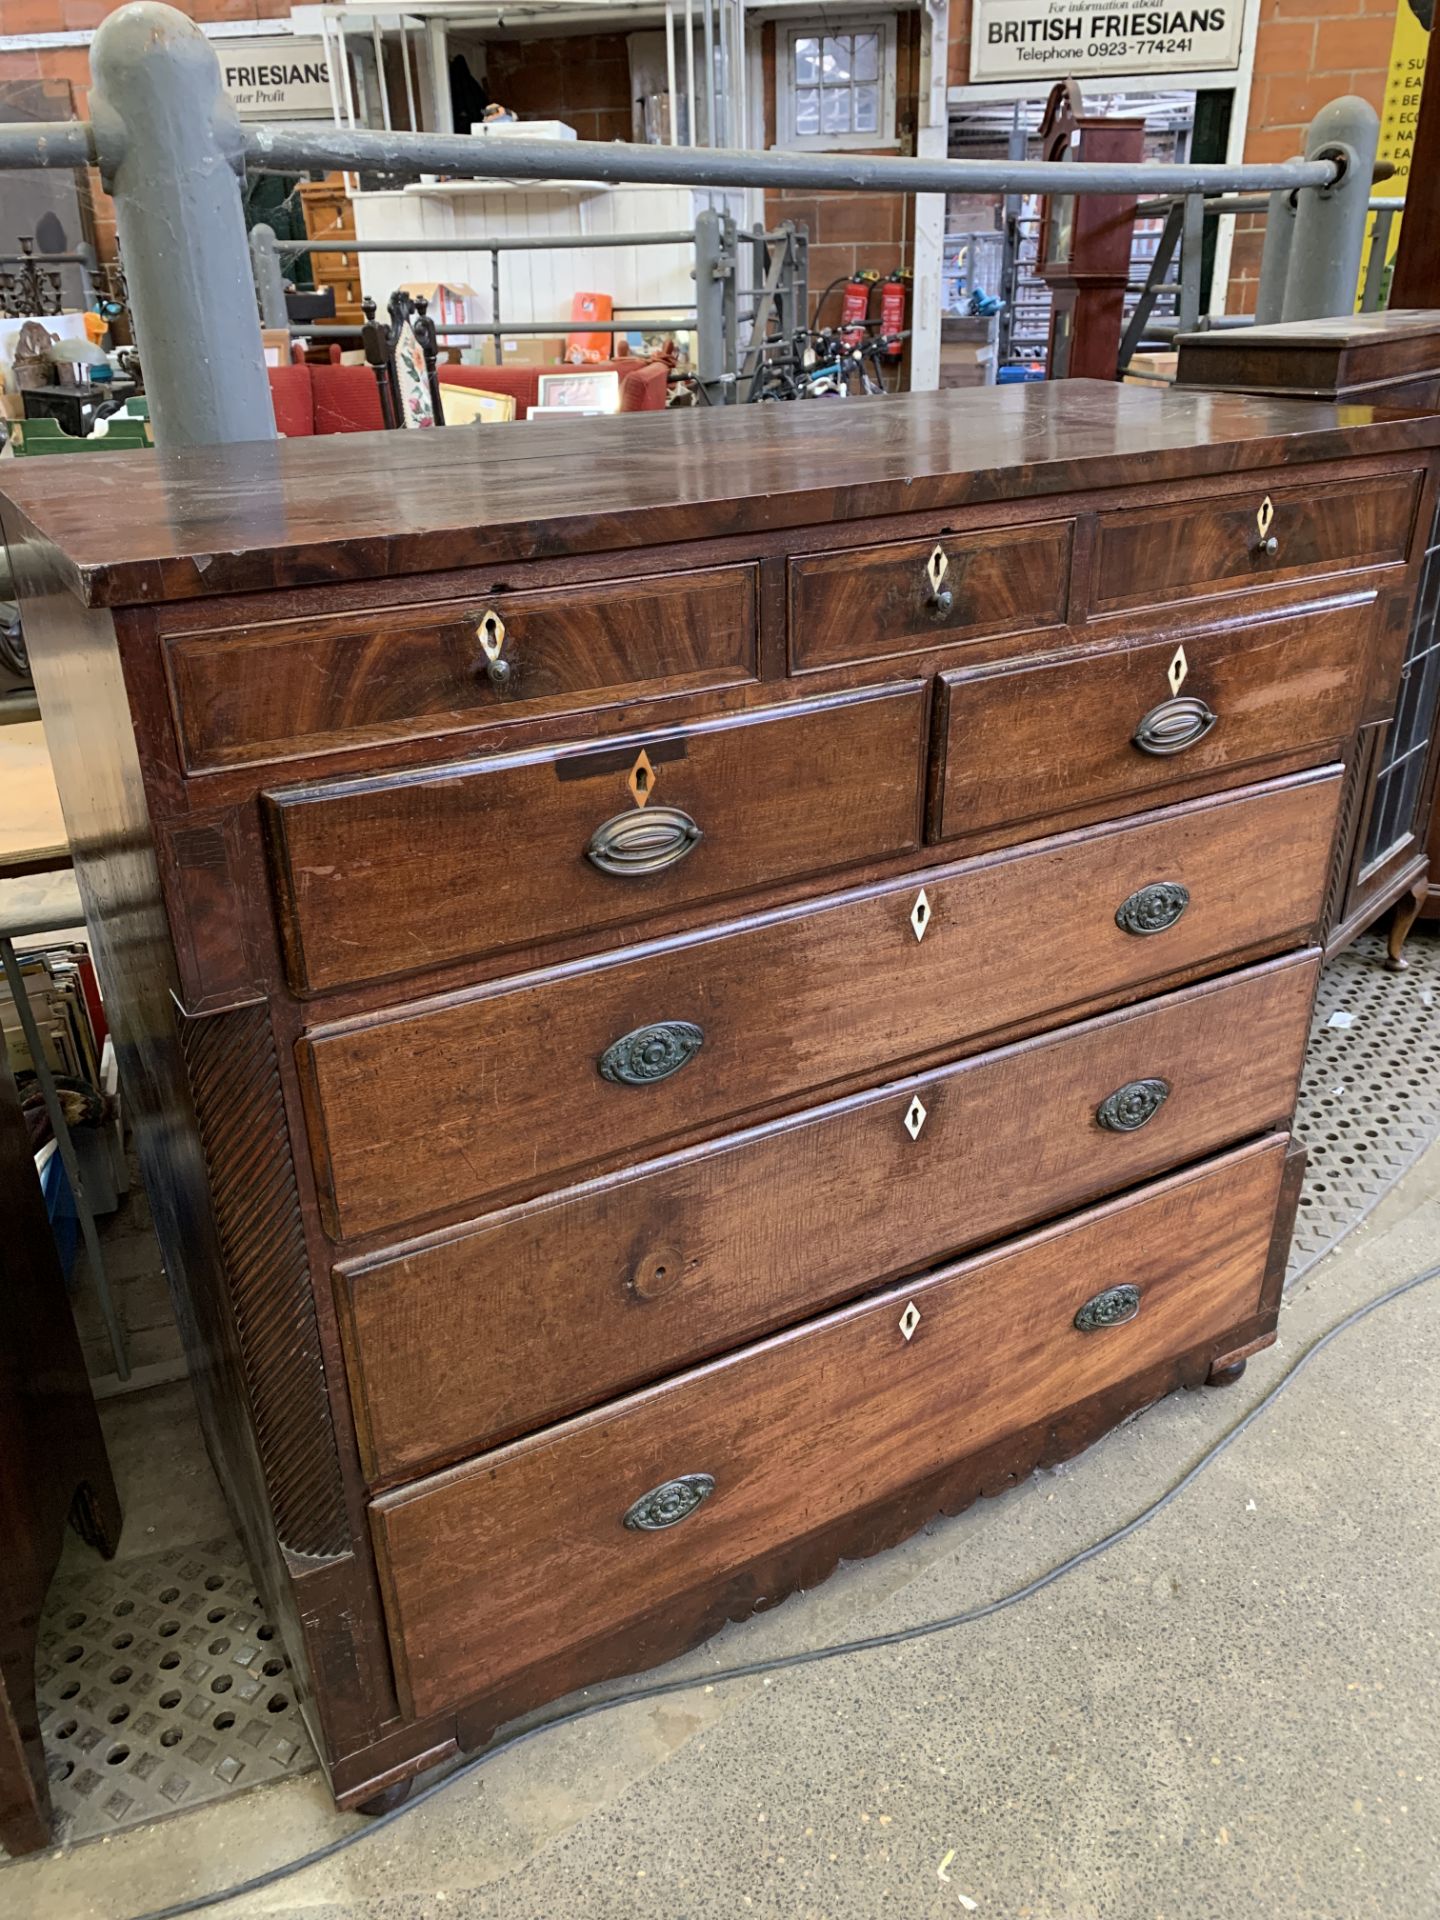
x,y
171,150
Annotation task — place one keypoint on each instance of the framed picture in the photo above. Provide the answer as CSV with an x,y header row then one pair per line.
x,y
580,390
471,406
564,413
412,381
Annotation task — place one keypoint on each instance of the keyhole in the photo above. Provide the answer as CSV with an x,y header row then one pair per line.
x,y
642,780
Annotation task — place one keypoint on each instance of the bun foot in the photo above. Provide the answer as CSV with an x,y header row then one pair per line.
x,y
1225,1376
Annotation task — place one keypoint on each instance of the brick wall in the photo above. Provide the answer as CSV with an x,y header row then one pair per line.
x,y
1307,52
581,79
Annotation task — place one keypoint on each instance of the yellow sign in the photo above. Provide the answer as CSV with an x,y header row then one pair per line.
x,y
1398,116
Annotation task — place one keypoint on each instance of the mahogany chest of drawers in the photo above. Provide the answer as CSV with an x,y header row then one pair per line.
x,y
699,989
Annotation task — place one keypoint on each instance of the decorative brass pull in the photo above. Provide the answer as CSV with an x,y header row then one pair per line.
x,y
1173,726
1129,1107
642,842
939,596
651,1053
1264,517
669,1503
491,635
1109,1309
1154,908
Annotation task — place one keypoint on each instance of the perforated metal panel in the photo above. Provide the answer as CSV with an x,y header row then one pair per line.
x,y
162,1685
1370,1100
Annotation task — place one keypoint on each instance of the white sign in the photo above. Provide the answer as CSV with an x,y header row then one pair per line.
x,y
280,79
1048,40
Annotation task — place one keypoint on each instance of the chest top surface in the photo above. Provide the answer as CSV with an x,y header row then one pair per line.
x,y
151,527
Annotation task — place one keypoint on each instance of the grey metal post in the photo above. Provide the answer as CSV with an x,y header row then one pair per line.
x,y
1378,261
89,273
1330,223
269,280
1275,257
169,142
1192,250
710,342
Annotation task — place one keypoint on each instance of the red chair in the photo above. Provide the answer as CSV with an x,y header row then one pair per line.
x,y
325,399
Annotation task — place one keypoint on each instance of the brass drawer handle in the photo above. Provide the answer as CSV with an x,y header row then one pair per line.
x,y
1154,908
1173,726
669,1503
1266,541
651,1053
637,842
938,597
491,635
1109,1309
1131,1106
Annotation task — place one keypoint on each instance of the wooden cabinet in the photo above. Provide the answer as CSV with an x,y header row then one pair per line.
x,y
683,1023
1390,843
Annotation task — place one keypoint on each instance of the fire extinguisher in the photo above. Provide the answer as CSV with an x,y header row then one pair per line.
x,y
855,305
894,309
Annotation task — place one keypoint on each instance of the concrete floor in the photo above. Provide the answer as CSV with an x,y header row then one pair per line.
x,y
1232,1715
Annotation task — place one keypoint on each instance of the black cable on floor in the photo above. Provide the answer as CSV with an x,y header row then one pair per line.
x,y
781,1662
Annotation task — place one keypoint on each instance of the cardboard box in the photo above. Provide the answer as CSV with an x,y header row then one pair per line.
x,y
524,350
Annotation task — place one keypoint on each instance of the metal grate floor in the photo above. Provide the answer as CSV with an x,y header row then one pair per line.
x,y
162,1685
1370,1098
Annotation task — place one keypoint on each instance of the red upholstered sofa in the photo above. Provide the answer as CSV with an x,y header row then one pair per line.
x,y
643,383
321,399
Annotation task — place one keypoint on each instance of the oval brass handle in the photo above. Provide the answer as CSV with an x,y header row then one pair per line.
x,y
669,1503
1109,1309
1154,908
1129,1107
491,635
637,842
651,1053
1173,726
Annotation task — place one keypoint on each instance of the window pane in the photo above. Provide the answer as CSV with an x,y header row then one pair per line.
x,y
837,58
807,62
867,56
807,110
867,109
835,110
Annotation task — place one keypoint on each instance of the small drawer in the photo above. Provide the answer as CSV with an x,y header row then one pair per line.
x,y
1151,556
1111,731
290,687
463,1342
869,603
602,1061
510,852
534,1551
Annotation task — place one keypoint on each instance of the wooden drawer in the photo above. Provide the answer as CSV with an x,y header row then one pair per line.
x,y
1109,731
463,1342
509,852
502,1091
506,1562
382,673
868,603
1149,556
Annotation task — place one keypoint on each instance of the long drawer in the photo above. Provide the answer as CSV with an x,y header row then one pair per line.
x,y
500,853
1112,730
560,1540
1150,556
499,1092
549,1307
284,687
